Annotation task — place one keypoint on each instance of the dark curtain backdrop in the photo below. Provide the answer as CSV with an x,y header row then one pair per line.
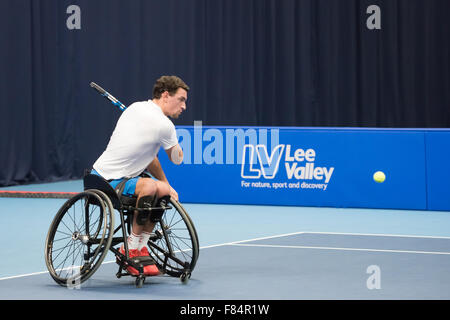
x,y
248,62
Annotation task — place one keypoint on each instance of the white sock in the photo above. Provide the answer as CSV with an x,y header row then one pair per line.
x,y
144,239
133,241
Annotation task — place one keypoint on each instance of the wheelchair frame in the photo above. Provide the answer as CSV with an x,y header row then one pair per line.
x,y
99,195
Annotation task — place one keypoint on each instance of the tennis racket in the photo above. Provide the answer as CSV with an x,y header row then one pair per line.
x,y
108,96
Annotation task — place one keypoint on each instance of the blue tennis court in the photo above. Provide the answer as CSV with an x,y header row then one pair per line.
x,y
252,252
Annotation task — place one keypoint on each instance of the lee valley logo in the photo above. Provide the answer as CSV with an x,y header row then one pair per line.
x,y
301,170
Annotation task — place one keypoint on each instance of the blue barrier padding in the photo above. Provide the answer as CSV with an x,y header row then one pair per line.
x,y
438,172
330,167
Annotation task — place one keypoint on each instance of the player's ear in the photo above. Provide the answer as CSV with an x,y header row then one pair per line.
x,y
165,94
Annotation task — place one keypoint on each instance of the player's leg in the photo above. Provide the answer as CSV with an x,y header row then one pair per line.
x,y
146,191
162,192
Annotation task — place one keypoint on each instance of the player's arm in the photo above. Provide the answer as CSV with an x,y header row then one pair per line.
x,y
157,171
175,154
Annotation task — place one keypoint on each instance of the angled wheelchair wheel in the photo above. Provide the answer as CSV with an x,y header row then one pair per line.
x,y
79,237
174,244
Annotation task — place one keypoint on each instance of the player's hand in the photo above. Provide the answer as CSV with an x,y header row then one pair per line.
x,y
173,193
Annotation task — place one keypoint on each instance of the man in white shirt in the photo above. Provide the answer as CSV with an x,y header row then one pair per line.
x,y
141,130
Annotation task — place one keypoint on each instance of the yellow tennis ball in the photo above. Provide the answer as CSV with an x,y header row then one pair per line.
x,y
379,176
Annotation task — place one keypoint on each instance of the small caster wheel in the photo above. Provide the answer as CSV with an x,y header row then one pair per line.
x,y
139,282
185,276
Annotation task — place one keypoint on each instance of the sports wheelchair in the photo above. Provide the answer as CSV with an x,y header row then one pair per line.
x,y
82,233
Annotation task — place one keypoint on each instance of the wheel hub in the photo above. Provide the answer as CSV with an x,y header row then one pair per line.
x,y
78,236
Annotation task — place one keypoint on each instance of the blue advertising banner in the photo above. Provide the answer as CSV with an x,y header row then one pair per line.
x,y
330,167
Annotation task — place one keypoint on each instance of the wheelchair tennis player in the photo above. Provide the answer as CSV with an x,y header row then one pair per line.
x,y
141,130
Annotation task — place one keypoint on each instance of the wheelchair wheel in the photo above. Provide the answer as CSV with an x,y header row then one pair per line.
x,y
79,237
174,243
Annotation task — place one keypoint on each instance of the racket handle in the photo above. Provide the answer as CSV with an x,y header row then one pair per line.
x,y
98,88
108,96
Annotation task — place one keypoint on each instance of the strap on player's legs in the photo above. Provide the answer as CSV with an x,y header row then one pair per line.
x,y
159,208
144,202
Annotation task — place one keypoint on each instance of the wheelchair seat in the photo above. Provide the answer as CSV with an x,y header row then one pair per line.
x,y
128,201
93,181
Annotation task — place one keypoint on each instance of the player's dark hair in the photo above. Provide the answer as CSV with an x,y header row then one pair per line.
x,y
168,83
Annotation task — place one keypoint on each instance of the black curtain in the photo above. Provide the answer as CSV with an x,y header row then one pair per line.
x,y
248,62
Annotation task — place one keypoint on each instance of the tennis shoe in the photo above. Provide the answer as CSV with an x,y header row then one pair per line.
x,y
133,253
151,269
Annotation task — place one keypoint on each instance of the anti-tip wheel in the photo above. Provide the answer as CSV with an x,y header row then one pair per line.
x,y
139,282
185,276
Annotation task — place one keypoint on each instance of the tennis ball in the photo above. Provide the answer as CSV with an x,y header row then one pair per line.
x,y
379,176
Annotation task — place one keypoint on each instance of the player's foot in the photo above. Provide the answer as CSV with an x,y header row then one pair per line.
x,y
133,253
152,269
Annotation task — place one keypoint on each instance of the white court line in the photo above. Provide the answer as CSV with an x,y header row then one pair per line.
x,y
24,275
377,235
337,248
254,239
241,242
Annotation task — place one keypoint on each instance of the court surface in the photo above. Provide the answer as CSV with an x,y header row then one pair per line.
x,y
251,252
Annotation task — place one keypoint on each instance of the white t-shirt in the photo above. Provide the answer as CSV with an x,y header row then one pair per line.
x,y
139,133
